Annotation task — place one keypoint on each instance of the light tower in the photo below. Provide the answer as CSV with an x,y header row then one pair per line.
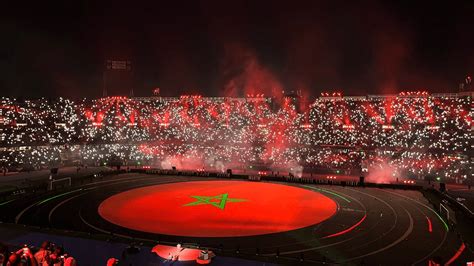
x,y
117,78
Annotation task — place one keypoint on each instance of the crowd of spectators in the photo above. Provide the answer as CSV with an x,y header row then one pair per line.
x,y
48,254
420,134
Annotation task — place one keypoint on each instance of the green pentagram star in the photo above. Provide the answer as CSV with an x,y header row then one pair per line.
x,y
218,201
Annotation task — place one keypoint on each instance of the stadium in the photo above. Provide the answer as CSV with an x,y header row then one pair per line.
x,y
236,133
242,181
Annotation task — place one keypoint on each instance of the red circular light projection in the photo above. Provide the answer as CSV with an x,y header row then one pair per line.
x,y
217,208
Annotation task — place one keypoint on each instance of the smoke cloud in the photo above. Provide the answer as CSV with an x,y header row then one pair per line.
x,y
382,173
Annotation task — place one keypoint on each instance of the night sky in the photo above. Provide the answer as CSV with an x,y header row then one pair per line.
x,y
217,48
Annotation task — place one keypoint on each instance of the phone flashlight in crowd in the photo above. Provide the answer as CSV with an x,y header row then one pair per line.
x,y
25,249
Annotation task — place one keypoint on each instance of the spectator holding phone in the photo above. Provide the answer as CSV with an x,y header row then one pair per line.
x,y
42,256
22,257
57,257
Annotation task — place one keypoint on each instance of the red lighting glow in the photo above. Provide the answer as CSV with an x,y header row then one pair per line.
x,y
430,226
456,255
249,208
331,94
182,254
348,229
